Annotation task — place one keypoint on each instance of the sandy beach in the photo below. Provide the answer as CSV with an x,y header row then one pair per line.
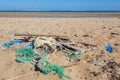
x,y
97,64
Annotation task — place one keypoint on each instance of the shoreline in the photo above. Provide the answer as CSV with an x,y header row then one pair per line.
x,y
59,14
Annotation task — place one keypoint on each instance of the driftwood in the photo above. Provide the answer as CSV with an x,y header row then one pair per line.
x,y
64,40
31,35
70,47
87,44
71,65
113,33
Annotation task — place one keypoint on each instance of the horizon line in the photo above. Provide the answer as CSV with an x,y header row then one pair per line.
x,y
57,11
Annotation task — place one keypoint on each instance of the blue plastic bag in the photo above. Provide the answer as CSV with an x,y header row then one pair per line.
x,y
9,44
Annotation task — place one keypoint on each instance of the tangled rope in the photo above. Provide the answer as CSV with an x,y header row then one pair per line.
x,y
40,60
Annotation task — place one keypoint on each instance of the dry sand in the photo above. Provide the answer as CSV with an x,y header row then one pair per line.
x,y
93,65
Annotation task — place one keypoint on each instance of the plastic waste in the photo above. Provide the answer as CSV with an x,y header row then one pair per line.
x,y
71,55
51,67
9,44
46,43
91,47
109,48
31,45
40,60
25,54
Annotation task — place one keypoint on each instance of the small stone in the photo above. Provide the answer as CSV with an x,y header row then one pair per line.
x,y
104,27
116,44
76,35
31,68
78,59
22,71
65,32
54,73
102,52
86,35
110,28
70,70
95,73
106,61
80,77
85,78
37,74
70,60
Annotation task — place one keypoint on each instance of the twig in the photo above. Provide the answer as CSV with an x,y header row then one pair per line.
x,y
113,33
71,65
70,47
64,40
87,44
30,35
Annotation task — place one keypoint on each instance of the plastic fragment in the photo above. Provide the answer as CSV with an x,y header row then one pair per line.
x,y
31,45
9,44
71,55
109,48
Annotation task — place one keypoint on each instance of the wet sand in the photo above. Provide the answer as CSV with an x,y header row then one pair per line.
x,y
59,14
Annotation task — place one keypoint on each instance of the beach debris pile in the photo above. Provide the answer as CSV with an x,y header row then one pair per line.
x,y
38,50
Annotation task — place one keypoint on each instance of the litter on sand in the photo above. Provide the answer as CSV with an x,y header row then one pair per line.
x,y
38,51
37,54
109,48
9,44
40,47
